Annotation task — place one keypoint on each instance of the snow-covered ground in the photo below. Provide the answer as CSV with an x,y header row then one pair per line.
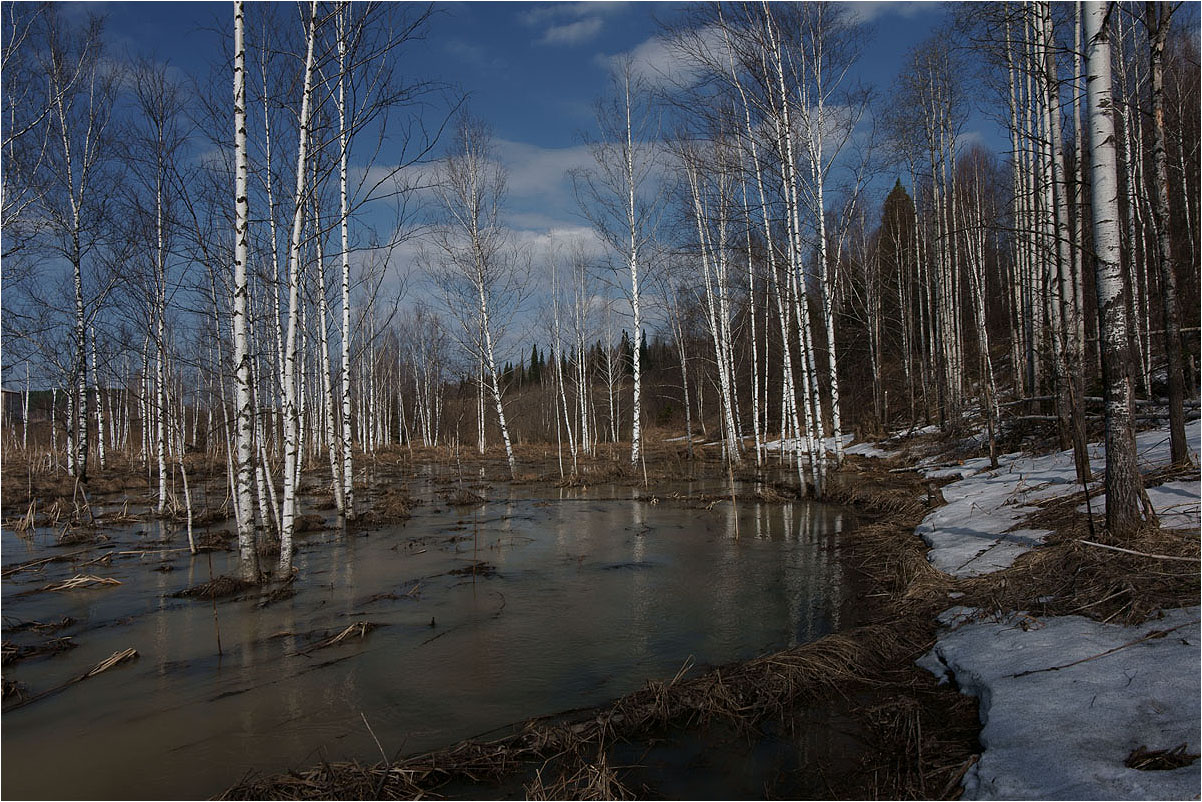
x,y
1064,700
1176,505
1064,731
865,449
972,534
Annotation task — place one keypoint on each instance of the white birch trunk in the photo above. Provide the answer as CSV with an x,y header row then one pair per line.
x,y
1124,485
348,483
292,373
100,455
244,422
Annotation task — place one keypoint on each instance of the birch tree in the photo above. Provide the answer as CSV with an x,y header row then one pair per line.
x,y
1157,19
155,139
82,90
291,410
478,269
618,198
1124,485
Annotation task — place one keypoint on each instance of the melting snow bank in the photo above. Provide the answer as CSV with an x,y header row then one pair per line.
x,y
865,449
1065,700
972,534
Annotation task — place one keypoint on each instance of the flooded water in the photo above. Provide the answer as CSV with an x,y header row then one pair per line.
x,y
595,591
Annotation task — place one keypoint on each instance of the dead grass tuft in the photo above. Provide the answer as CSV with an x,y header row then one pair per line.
x,y
1145,759
218,588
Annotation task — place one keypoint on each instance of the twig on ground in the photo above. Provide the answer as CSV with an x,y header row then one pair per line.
x,y
1139,553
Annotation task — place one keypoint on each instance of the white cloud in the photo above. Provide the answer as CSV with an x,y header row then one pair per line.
x,y
568,23
664,61
871,10
536,171
969,139
572,33
543,13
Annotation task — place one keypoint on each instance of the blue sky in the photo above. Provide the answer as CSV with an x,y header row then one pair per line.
x,y
532,70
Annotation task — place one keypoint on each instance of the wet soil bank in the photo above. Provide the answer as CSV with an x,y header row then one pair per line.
x,y
848,715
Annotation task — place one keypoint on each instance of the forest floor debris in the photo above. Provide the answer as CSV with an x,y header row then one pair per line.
x,y
981,527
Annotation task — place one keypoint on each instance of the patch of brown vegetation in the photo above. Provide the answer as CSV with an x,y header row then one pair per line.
x,y
12,652
462,497
484,569
80,581
1073,574
78,536
218,588
39,626
309,522
215,540
393,505
1145,759
359,629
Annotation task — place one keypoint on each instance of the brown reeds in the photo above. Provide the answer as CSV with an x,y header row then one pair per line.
x,y
581,779
392,506
359,630
113,660
11,652
217,588
24,525
80,581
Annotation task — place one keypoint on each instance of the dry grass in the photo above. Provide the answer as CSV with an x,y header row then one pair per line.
x,y
1145,759
359,630
580,779
80,581
11,652
20,698
1069,576
218,588
390,506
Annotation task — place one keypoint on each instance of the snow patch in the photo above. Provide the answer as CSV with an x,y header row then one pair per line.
x,y
1176,505
1065,733
869,450
866,449
974,532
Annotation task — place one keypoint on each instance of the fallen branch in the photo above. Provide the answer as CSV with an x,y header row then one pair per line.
x,y
1140,553
12,569
115,659
359,628
144,552
1153,635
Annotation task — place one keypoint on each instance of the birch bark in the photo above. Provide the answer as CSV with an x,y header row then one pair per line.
x,y
244,423
291,368
1124,485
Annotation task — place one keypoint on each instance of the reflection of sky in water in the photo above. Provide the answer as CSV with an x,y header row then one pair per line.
x,y
596,593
